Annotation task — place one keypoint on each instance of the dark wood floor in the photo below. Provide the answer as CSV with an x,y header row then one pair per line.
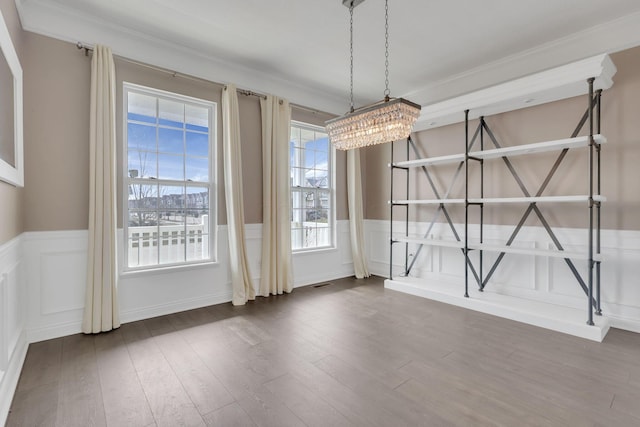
x,y
349,353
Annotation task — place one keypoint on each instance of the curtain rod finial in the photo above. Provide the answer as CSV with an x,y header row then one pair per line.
x,y
81,46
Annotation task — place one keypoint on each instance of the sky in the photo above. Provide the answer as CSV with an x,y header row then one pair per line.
x,y
315,165
170,140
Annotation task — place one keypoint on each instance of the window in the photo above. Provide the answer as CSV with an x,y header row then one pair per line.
x,y
312,201
169,192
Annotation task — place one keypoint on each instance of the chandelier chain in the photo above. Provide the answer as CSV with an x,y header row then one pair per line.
x,y
387,92
384,121
351,53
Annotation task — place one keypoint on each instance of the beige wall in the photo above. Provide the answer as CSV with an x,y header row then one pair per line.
x,y
620,160
56,130
11,198
57,80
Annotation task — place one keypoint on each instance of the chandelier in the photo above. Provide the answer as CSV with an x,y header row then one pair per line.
x,y
384,121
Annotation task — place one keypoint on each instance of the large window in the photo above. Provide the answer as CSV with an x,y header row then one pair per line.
x,y
312,201
169,192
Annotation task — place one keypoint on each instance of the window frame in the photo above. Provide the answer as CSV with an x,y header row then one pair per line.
x,y
211,186
331,189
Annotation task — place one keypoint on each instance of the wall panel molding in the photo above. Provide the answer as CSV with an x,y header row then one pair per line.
x,y
56,269
13,342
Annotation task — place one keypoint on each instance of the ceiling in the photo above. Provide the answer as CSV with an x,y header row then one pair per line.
x,y
299,49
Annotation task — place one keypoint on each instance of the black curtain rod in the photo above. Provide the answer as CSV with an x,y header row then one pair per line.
x,y
88,49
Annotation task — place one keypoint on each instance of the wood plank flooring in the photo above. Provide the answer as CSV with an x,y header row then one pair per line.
x,y
347,354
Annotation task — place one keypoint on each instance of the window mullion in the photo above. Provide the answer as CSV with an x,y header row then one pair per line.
x,y
184,189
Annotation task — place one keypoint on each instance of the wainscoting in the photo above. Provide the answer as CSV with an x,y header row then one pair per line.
x,y
57,266
13,302
42,288
531,278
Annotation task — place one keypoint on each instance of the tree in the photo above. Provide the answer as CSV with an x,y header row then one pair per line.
x,y
143,199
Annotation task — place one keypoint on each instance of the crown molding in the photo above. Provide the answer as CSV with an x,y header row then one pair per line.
x,y
609,37
51,20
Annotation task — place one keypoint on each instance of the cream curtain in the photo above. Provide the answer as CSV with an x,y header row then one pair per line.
x,y
101,299
356,217
276,273
243,289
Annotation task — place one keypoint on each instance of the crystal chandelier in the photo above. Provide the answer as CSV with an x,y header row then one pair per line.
x,y
384,121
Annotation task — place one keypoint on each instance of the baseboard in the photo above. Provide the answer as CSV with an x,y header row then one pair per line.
x,y
221,298
75,327
631,325
11,376
54,331
164,309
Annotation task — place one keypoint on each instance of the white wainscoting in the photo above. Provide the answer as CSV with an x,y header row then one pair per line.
x,y
542,279
56,268
13,302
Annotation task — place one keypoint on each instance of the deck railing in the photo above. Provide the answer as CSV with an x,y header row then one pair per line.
x,y
167,244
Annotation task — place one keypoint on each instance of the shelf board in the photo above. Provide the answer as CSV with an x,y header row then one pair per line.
x,y
428,201
540,199
430,161
540,147
429,242
536,252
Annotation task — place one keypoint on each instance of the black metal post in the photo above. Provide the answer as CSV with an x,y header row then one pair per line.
x,y
391,216
406,217
591,148
481,204
466,203
598,149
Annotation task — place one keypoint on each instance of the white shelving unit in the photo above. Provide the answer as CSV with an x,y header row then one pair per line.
x,y
594,75
592,142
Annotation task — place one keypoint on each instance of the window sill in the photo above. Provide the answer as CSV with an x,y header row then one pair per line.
x,y
314,250
153,271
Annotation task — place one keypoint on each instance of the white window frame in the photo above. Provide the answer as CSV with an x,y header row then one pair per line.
x,y
212,185
331,189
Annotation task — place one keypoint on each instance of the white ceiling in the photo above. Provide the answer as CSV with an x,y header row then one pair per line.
x,y
299,48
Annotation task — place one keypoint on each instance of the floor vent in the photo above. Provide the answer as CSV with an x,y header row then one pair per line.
x,y
322,285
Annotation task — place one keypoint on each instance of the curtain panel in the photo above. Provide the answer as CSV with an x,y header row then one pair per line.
x,y
242,284
101,298
356,217
276,272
